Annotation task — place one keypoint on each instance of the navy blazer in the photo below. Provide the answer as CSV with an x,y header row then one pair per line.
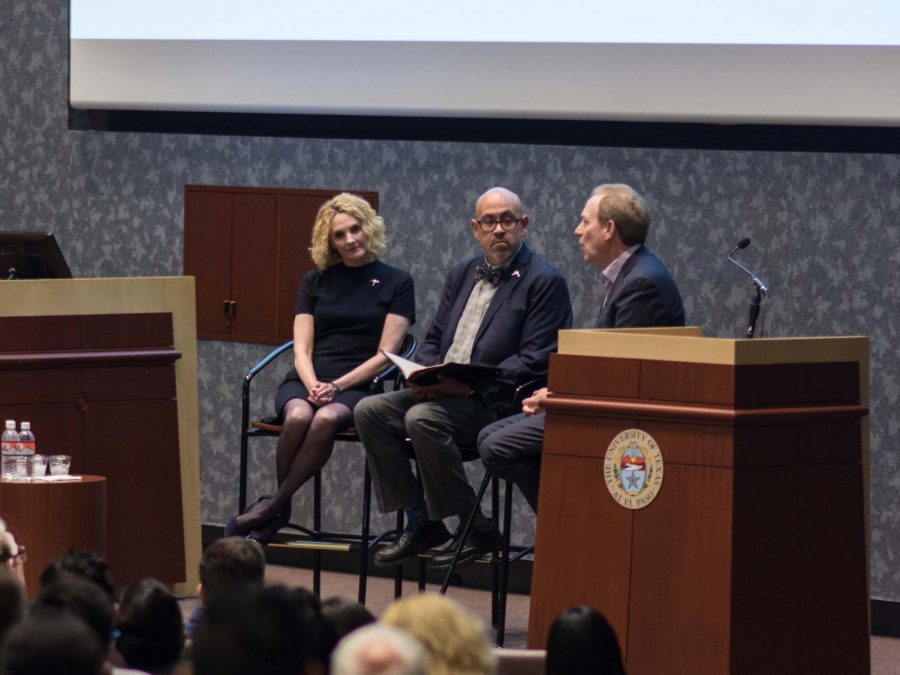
x,y
644,295
519,328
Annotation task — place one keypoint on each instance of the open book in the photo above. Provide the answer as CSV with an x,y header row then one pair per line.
x,y
473,374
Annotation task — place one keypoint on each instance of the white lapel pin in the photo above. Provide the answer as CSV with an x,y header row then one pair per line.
x,y
375,282
516,274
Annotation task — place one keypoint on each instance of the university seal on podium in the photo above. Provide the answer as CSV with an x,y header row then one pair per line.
x,y
633,469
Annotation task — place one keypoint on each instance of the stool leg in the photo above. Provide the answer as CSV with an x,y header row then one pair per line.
x,y
504,564
421,572
245,421
364,535
398,570
317,527
465,531
495,575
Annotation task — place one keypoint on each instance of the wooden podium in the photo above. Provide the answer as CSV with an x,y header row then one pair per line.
x,y
106,370
752,558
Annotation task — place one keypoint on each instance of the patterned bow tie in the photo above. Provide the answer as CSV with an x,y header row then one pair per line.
x,y
490,274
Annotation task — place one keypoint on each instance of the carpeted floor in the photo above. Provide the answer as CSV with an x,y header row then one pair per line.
x,y
885,651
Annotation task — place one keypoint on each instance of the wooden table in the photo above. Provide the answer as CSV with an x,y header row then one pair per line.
x,y
49,518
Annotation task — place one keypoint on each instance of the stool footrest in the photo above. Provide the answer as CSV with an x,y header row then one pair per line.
x,y
310,545
266,426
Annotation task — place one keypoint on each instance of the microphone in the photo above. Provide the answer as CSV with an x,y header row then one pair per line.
x,y
761,289
742,244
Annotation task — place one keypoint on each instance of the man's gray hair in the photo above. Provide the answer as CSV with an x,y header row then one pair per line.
x,y
626,208
379,649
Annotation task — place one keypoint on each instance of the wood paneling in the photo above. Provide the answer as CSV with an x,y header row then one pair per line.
x,y
681,554
248,249
132,444
581,504
254,235
50,518
40,333
296,215
124,331
207,255
590,376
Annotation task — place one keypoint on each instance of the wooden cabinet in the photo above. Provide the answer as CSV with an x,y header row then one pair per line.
x,y
248,249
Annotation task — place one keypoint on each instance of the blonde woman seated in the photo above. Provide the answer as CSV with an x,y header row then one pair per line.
x,y
455,640
348,309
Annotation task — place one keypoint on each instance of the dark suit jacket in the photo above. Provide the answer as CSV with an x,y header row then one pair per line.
x,y
519,329
644,295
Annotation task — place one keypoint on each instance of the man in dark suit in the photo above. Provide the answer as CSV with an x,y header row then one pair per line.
x,y
639,293
502,308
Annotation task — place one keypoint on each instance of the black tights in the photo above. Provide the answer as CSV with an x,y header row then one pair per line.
x,y
305,445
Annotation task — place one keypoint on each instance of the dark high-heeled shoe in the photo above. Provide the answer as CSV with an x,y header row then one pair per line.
x,y
266,533
258,513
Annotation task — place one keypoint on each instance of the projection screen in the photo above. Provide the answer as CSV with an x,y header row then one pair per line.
x,y
719,61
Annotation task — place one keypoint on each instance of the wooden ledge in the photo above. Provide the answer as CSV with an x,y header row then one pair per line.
x,y
55,359
659,410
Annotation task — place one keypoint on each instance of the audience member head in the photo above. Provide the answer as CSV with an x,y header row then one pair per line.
x,y
455,640
228,564
85,564
12,601
581,642
379,650
322,249
52,642
8,546
345,615
151,630
269,630
12,556
626,208
320,632
82,598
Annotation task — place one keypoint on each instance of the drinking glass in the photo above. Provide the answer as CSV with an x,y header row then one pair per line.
x,y
59,464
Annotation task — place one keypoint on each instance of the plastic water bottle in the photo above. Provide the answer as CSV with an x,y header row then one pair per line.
x,y
10,449
27,447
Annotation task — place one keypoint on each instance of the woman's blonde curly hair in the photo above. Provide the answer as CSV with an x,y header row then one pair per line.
x,y
455,640
321,250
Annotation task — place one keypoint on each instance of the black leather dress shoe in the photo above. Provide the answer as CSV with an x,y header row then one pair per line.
x,y
478,542
412,541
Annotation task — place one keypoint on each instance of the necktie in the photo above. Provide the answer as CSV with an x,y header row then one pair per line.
x,y
490,274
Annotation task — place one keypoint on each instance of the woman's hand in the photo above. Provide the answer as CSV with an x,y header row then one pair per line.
x,y
322,393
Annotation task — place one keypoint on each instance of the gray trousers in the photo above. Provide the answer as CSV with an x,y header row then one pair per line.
x,y
511,448
437,429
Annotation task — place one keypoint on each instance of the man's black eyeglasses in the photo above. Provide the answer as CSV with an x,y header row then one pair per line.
x,y
508,223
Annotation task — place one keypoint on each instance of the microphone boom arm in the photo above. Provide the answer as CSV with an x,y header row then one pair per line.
x,y
761,287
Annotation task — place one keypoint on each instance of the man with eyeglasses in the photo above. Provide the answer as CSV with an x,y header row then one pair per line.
x,y
501,308
640,293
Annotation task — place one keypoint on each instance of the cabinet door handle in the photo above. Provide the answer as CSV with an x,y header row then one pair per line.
x,y
228,311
